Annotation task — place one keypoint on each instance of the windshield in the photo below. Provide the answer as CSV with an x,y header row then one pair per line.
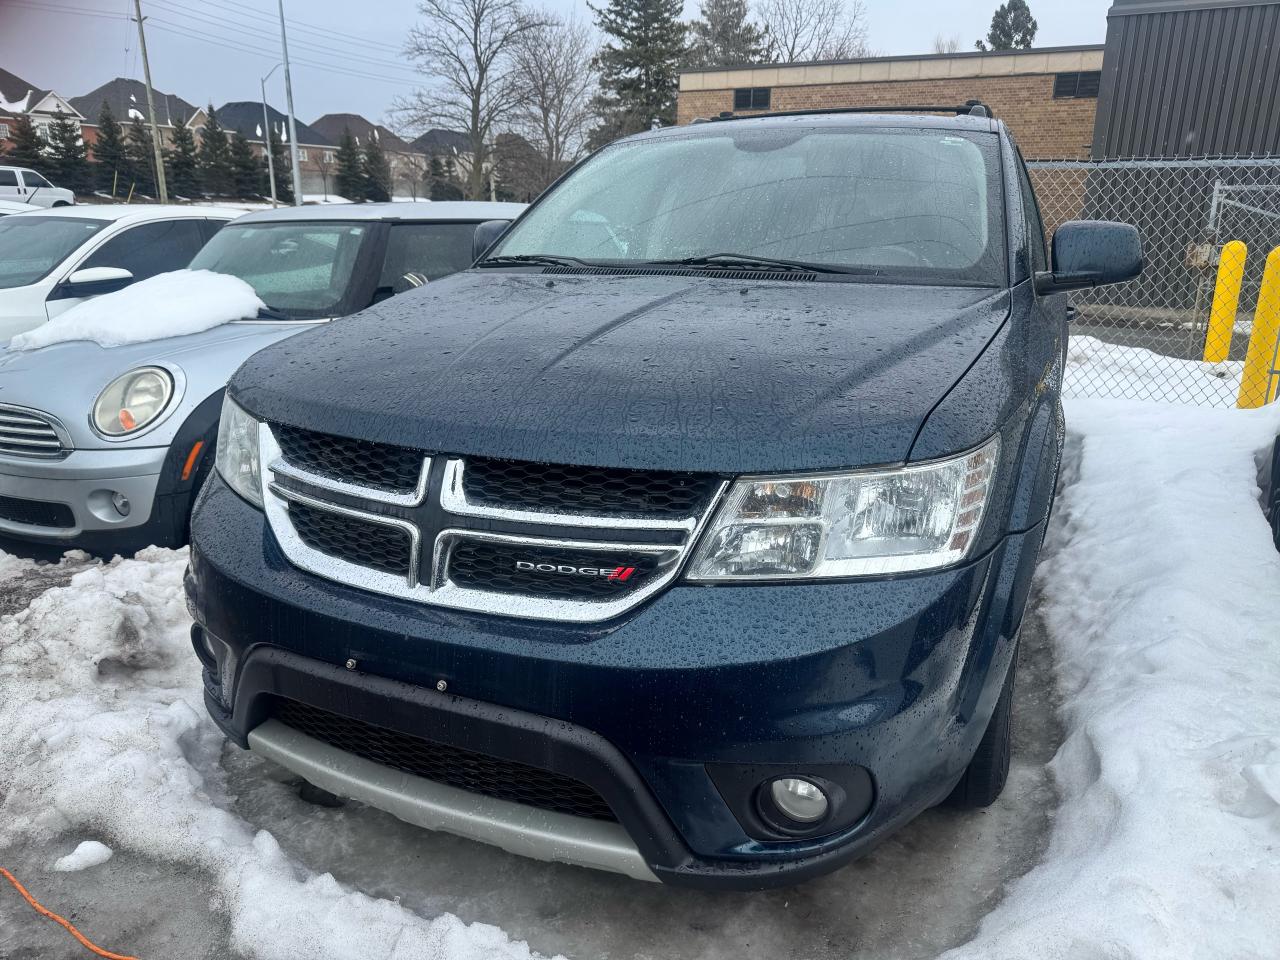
x,y
30,246
899,203
300,270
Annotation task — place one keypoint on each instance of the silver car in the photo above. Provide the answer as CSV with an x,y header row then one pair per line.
x,y
105,448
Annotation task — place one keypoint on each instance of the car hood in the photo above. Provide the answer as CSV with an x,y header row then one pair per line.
x,y
649,372
64,379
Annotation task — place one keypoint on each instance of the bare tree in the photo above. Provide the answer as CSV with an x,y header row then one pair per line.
x,y
943,44
801,30
466,48
553,64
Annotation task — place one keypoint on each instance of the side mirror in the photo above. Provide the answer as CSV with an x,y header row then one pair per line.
x,y
486,236
93,281
1091,253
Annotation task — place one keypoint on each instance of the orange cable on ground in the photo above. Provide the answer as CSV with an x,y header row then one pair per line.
x,y
84,941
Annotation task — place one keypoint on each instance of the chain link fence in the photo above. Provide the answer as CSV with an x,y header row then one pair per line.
x,y
1199,325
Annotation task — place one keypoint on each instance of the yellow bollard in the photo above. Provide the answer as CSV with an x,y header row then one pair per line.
x,y
1258,386
1226,300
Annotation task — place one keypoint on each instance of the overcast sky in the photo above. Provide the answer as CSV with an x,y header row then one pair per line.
x,y
345,55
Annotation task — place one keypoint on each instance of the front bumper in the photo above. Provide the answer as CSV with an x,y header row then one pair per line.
x,y
896,676
71,499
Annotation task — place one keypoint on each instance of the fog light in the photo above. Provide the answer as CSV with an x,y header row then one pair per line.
x,y
799,800
121,503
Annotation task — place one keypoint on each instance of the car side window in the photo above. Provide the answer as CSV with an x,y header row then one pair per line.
x,y
33,179
150,248
1035,226
8,178
418,252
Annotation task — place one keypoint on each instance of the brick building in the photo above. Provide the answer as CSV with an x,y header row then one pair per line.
x,y
1047,96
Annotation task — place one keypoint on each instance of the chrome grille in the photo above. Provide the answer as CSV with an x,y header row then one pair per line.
x,y
541,541
30,433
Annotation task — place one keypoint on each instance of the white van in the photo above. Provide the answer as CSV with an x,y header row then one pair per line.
x,y
26,186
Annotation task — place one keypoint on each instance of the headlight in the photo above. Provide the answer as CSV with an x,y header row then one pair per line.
x,y
237,457
133,401
848,524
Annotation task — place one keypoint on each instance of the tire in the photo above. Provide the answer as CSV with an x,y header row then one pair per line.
x,y
62,203
1274,503
987,772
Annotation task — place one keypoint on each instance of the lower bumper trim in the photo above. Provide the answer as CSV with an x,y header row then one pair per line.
x,y
522,830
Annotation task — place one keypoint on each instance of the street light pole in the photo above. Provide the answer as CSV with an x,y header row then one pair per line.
x,y
266,125
293,128
151,106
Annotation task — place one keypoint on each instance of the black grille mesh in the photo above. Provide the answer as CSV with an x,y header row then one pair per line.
x,y
357,541
37,513
441,763
492,566
355,461
592,489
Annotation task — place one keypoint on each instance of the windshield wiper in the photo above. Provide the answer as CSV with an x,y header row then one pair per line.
x,y
532,259
271,313
729,260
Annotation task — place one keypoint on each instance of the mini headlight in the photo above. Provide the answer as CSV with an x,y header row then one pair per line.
x,y
237,456
132,402
859,523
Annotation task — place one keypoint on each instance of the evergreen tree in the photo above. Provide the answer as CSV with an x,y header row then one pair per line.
x,y
182,164
1012,27
217,170
639,66
248,173
110,154
377,171
723,35
68,156
283,170
29,148
349,182
141,157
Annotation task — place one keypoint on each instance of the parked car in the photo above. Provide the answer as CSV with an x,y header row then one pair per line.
x,y
8,207
691,538
21,185
52,259
72,474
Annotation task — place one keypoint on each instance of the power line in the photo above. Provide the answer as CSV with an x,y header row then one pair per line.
x,y
302,25
217,22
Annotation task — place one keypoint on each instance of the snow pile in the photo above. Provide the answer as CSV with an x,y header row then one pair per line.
x,y
166,305
105,733
1162,592
1095,367
88,854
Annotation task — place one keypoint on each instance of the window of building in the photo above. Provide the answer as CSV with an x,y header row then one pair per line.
x,y
302,155
328,156
1077,86
751,98
4,131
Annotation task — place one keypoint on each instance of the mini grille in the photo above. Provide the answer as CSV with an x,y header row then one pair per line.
x,y
355,461
348,538
586,489
37,513
441,763
25,434
492,566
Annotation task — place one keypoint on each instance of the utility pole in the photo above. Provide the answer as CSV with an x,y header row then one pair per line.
x,y
266,125
151,106
293,127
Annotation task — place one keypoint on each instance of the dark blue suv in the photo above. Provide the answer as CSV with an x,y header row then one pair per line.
x,y
687,534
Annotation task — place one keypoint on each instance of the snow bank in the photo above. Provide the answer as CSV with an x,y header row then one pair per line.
x,y
1162,597
1095,368
105,732
90,853
166,305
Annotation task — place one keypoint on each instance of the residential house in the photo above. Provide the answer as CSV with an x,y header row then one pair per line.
x,y
19,97
315,150
408,164
128,101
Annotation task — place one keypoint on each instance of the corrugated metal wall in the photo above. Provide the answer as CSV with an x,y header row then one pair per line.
x,y
1190,82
